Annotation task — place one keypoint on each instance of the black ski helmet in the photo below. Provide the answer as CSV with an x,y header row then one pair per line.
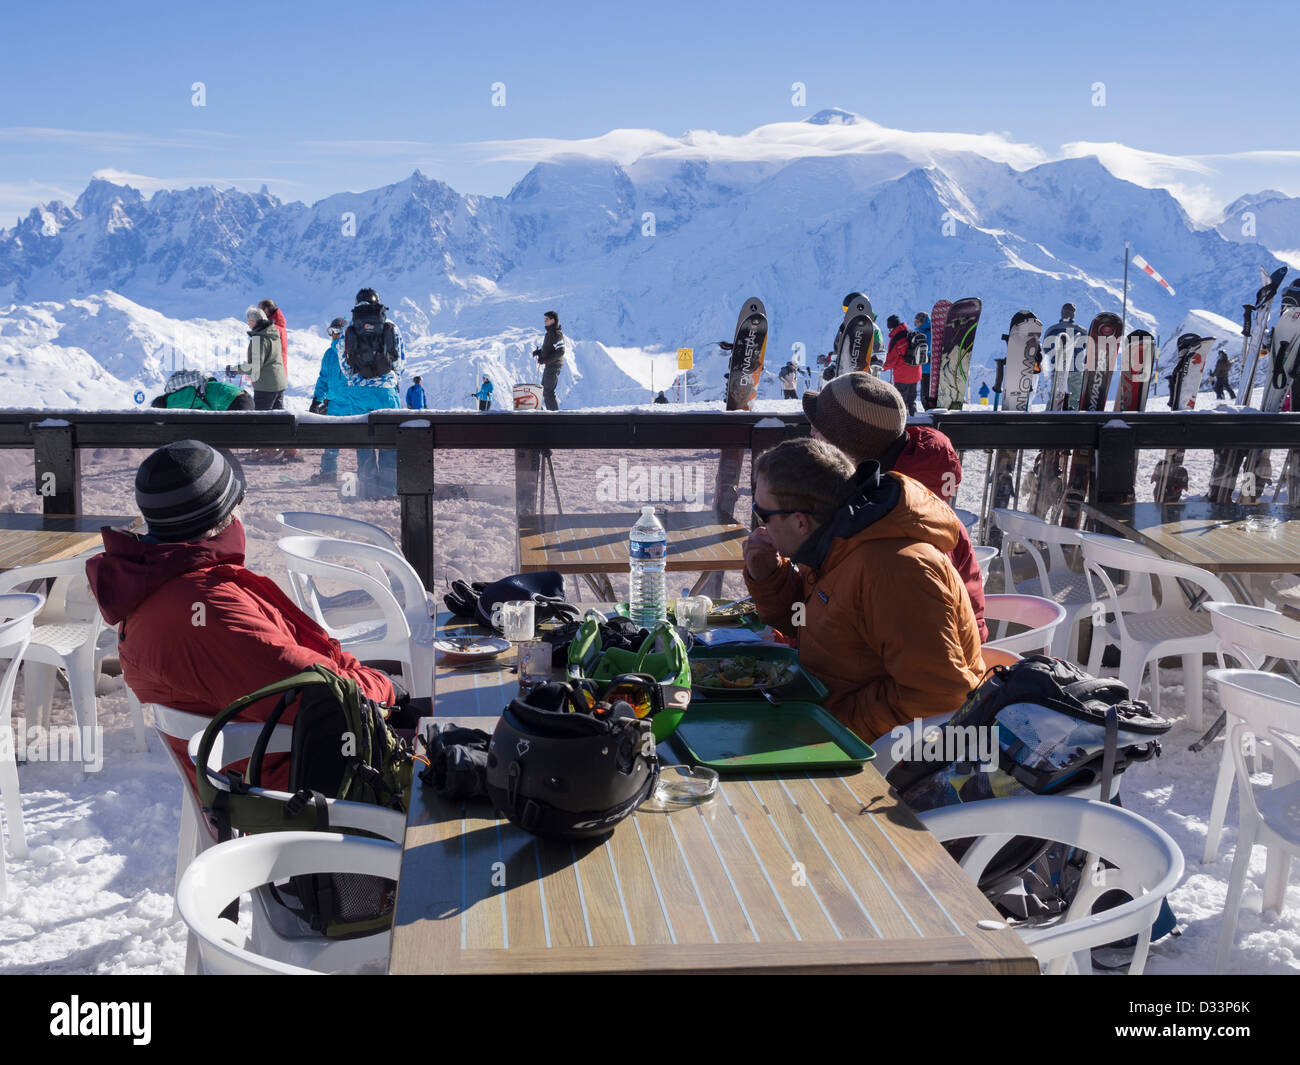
x,y
1067,312
556,769
367,295
848,300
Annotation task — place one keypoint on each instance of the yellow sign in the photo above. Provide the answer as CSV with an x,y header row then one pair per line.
x,y
685,358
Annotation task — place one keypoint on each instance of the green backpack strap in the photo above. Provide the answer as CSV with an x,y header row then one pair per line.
x,y
255,812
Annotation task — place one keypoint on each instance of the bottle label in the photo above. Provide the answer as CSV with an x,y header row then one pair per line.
x,y
647,549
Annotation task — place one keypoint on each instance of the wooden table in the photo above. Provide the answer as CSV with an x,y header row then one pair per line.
x,y
806,873
27,539
1213,536
597,544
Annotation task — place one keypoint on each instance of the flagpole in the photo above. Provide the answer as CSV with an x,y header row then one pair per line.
x,y
1123,317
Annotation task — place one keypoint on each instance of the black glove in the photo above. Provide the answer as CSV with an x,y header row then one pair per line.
x,y
462,600
317,406
457,766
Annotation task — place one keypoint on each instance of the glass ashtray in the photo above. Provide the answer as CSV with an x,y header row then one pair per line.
x,y
684,785
1262,523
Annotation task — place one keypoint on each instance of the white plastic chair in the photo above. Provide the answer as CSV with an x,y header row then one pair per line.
x,y
352,606
1055,580
402,635
984,556
1146,636
1264,706
66,636
20,609
1251,635
1042,617
226,871
1147,865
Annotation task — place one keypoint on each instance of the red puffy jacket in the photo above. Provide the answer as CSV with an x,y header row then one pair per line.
x,y
197,630
277,320
904,374
929,457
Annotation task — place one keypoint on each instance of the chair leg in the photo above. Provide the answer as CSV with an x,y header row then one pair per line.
x,y
13,805
38,693
1276,874
1232,902
1219,804
137,721
1192,685
81,686
1155,686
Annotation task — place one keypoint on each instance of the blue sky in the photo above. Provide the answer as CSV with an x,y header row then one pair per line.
x,y
313,98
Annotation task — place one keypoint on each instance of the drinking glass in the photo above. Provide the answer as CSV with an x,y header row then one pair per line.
x,y
534,665
517,621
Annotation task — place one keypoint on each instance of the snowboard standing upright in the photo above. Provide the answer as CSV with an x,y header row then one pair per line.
x,y
1254,327
1280,372
1105,335
938,322
958,339
1135,377
747,351
1023,359
856,338
1170,475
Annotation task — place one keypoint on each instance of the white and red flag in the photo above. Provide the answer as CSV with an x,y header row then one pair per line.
x,y
1142,264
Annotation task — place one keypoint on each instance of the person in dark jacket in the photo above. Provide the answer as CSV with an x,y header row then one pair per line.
x,y
551,356
196,628
864,417
264,364
415,399
1221,370
661,398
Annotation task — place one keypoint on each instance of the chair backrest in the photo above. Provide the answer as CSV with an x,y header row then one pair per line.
x,y
1027,531
1252,633
1149,863
984,556
335,526
318,556
1265,706
228,870
68,598
20,610
1041,616
1112,552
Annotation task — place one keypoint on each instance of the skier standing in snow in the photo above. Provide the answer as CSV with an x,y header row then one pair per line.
x,y
329,382
1221,369
551,356
907,378
789,379
415,398
276,318
264,364
661,398
484,394
372,362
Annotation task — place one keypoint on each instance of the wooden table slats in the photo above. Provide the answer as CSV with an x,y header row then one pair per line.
x,y
597,543
806,872
29,539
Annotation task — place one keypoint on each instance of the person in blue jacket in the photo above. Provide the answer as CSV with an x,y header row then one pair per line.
x,y
415,399
329,382
371,359
484,394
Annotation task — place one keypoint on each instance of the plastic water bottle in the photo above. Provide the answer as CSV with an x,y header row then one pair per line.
x,y
648,550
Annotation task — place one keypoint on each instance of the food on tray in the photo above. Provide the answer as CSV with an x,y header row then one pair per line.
x,y
738,609
740,671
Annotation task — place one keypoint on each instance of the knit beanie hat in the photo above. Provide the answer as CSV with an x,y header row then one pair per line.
x,y
184,489
892,321
858,413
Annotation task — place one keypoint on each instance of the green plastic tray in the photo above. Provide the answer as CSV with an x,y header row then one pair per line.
x,y
748,737
802,687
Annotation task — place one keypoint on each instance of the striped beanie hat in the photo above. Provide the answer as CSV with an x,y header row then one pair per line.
x,y
858,413
184,489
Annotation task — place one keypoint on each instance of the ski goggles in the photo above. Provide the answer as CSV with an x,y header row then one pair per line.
x,y
639,690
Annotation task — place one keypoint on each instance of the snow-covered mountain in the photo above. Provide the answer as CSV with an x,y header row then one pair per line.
x,y
1270,218
641,249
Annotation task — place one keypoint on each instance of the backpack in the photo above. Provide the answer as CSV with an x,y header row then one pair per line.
x,y
1059,730
917,352
372,764
370,342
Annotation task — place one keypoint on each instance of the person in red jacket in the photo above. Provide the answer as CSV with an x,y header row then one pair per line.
x,y
864,417
196,628
907,378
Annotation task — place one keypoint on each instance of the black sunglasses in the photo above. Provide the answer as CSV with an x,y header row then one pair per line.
x,y
764,515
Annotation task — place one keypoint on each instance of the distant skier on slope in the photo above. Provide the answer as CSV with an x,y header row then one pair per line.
x,y
551,356
484,394
415,397
789,378
1221,370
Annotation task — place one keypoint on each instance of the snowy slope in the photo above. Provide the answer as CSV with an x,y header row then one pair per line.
x,y
640,241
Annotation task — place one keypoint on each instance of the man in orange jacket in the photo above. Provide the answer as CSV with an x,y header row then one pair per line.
x,y
855,565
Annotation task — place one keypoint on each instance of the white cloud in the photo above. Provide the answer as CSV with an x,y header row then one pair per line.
x,y
17,198
148,184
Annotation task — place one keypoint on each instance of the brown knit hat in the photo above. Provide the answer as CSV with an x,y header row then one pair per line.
x,y
860,414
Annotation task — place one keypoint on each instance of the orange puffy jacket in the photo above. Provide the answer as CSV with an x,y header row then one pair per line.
x,y
887,623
